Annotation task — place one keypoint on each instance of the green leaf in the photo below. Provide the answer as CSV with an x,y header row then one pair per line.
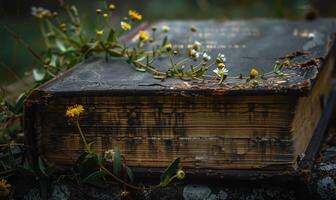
x,y
94,176
130,174
26,169
170,171
39,75
164,41
60,45
42,166
112,35
116,162
140,69
18,108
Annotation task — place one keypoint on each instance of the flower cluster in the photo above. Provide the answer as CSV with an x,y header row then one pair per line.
x,y
221,69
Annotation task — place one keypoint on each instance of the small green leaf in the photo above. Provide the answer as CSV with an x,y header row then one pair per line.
x,y
130,174
60,45
170,171
18,108
117,162
94,176
39,75
140,69
42,166
164,41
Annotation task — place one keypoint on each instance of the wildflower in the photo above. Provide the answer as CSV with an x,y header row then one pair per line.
x,y
206,57
196,45
98,11
253,73
74,111
143,36
168,47
125,26
134,15
99,32
220,58
124,194
165,29
4,188
111,7
180,174
109,155
221,65
105,15
311,35
221,72
194,54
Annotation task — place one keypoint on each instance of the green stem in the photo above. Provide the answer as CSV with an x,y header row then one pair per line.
x,y
120,180
87,149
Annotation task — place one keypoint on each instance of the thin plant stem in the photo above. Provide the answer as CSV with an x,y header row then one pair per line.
x,y
87,149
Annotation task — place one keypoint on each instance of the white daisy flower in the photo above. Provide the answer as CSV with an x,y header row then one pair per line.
x,y
221,72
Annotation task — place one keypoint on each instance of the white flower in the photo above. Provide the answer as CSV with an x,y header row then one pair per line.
x,y
165,28
311,35
221,72
222,57
109,155
194,53
197,45
206,57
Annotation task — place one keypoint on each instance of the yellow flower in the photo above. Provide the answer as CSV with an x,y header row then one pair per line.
x,y
112,7
254,73
74,111
125,26
99,32
4,188
168,47
124,194
134,15
105,15
180,174
143,36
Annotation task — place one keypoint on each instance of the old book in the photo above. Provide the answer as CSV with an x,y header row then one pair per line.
x,y
265,126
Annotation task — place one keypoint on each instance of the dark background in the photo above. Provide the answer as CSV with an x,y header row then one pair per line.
x,y
15,60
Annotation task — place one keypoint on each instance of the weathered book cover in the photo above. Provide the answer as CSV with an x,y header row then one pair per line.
x,y
215,128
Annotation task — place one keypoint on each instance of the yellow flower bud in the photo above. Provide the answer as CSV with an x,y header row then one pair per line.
x,y
254,73
105,15
99,32
168,47
111,7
